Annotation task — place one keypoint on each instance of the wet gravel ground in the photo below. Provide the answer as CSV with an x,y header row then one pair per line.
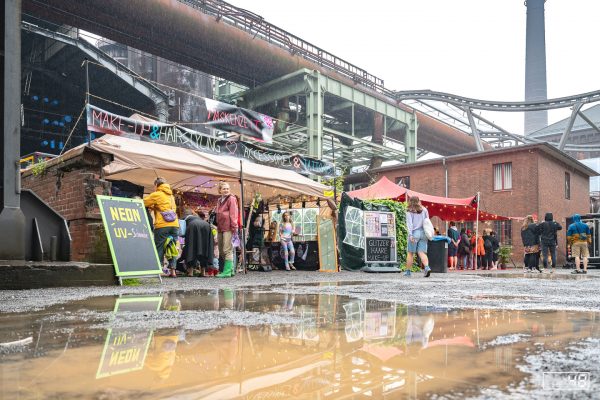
x,y
499,290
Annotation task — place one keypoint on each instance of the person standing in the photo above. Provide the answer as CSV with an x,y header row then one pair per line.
x,y
227,227
453,246
548,230
478,250
286,230
530,235
464,249
198,250
579,236
417,241
488,249
495,249
166,224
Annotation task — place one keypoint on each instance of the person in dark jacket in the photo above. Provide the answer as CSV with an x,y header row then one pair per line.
x,y
488,247
548,230
495,249
530,234
464,250
199,243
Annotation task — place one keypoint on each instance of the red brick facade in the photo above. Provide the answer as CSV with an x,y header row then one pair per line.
x,y
538,185
70,188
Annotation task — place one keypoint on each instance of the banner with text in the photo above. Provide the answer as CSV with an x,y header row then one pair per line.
x,y
101,121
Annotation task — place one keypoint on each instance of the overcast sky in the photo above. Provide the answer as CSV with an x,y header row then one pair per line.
x,y
473,48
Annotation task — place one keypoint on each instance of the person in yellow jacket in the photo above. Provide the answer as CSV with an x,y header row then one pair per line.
x,y
166,224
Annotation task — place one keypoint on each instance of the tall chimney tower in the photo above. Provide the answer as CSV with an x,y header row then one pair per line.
x,y
535,65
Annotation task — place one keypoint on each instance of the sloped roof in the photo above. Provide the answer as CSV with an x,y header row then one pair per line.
x,y
593,113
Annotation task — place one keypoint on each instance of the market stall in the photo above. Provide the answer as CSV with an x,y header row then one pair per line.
x,y
194,176
352,233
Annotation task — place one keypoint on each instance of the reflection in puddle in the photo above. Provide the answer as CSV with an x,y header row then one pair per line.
x,y
338,347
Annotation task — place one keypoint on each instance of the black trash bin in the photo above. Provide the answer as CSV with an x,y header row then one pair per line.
x,y
437,252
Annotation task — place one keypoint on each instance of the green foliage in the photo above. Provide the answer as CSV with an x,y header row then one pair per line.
x,y
337,182
399,209
504,254
131,282
39,168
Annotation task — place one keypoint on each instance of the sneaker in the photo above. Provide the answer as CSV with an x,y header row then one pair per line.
x,y
552,271
575,272
427,272
584,272
407,272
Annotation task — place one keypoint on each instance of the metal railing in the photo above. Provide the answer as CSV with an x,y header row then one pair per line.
x,y
256,26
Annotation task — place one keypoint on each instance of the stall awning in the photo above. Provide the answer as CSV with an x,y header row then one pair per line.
x,y
141,162
445,208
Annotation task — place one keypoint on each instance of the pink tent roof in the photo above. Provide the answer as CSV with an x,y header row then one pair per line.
x,y
446,208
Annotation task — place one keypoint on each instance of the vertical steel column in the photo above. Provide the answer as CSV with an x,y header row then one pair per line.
x,y
411,139
314,115
12,220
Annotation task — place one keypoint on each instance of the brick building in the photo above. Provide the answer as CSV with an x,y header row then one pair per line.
x,y
69,185
513,182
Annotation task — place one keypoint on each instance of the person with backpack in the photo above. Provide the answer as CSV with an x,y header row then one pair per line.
x,y
166,223
487,262
549,241
579,236
464,249
416,215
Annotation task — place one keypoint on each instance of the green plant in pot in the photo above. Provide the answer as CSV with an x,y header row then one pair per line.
x,y
504,254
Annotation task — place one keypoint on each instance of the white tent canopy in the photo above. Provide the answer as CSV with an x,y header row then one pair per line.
x,y
141,162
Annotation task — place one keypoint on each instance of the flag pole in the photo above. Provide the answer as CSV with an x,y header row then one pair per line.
x,y
243,242
477,231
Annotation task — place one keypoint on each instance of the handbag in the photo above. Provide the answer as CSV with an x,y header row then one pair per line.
x,y
428,228
169,215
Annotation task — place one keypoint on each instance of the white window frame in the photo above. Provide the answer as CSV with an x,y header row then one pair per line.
x,y
299,218
502,176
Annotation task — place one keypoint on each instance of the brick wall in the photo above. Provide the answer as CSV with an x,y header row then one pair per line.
x,y
537,187
552,195
70,188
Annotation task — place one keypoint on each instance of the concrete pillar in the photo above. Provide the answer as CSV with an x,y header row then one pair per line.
x,y
12,220
535,64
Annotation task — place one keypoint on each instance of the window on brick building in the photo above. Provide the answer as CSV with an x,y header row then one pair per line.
x,y
503,231
503,176
567,186
403,181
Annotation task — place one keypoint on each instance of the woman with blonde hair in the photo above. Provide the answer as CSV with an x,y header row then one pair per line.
x,y
286,230
417,241
530,235
227,227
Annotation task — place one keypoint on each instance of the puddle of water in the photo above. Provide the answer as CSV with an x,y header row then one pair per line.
x,y
338,347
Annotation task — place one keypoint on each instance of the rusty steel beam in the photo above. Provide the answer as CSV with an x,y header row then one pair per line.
x,y
180,33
